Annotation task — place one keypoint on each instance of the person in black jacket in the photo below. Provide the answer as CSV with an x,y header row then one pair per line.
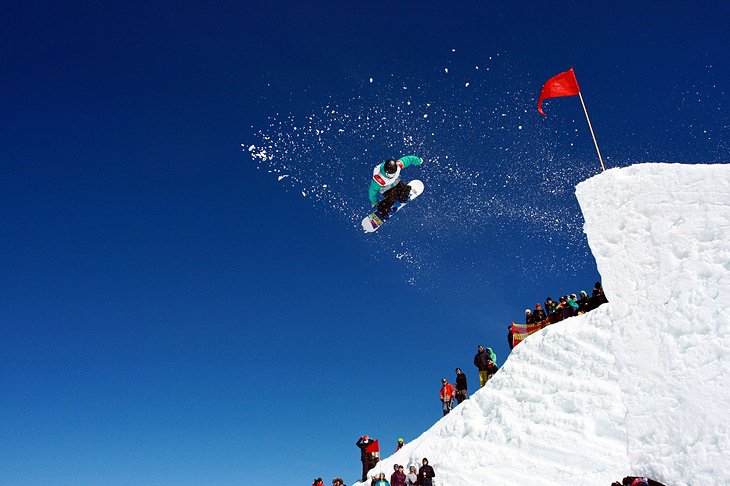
x,y
481,361
597,297
426,474
538,315
369,459
461,393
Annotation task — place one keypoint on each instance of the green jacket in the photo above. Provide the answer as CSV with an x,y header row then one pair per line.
x,y
379,171
492,356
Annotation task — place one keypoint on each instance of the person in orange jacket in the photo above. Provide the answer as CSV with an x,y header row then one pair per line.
x,y
447,395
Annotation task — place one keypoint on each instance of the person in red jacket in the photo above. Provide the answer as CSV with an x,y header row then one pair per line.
x,y
369,458
447,395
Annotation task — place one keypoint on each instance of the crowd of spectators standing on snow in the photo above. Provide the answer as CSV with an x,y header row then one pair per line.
x,y
555,311
423,477
485,360
567,306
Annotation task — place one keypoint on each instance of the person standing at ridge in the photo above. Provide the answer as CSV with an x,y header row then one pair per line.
x,y
461,393
386,181
426,474
538,315
412,477
447,395
481,361
369,459
492,367
398,478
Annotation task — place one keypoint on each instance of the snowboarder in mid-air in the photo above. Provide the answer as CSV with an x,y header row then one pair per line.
x,y
386,181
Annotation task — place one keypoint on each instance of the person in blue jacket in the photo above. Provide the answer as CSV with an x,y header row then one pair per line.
x,y
386,181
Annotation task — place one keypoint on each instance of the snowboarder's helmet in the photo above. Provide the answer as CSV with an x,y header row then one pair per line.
x,y
391,167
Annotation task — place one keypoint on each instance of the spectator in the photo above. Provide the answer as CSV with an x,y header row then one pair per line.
x,y
598,297
369,459
549,306
447,395
528,317
573,303
399,445
481,361
461,393
583,302
398,478
318,482
338,482
538,315
637,481
492,367
381,481
557,314
510,337
565,308
426,474
412,477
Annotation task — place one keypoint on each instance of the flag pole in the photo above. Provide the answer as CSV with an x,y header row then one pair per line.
x,y
603,167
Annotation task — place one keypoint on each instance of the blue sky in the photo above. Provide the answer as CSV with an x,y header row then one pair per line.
x,y
172,313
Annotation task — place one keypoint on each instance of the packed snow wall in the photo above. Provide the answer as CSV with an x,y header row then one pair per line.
x,y
660,234
639,386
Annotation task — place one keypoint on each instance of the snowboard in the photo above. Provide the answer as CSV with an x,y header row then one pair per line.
x,y
373,221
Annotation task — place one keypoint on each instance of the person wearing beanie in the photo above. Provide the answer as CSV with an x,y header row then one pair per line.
x,y
400,444
538,315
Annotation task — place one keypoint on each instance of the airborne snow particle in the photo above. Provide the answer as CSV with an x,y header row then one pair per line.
x,y
466,85
446,70
371,80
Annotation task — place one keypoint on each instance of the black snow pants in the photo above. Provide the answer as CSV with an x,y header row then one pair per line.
x,y
399,192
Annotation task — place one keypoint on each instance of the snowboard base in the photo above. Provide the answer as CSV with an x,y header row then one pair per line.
x,y
373,221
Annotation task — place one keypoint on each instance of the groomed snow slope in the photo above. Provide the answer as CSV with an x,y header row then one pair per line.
x,y
639,386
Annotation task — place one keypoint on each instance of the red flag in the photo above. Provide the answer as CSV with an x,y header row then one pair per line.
x,y
564,84
374,447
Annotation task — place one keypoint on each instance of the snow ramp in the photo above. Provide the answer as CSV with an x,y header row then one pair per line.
x,y
640,385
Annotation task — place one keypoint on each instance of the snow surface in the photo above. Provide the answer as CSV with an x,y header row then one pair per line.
x,y
640,386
